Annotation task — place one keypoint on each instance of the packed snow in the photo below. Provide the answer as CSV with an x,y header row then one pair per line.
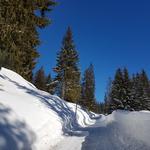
x,y
33,119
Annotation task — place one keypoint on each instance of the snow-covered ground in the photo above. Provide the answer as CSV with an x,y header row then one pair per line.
x,y
34,119
119,131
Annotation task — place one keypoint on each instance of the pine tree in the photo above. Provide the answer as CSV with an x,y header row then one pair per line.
x,y
40,79
19,38
68,73
88,88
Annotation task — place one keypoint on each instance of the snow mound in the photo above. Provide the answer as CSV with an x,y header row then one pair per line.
x,y
121,130
33,119
136,125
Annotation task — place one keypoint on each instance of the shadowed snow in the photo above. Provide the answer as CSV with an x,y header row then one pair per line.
x,y
46,117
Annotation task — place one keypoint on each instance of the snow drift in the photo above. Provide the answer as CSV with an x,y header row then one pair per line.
x,y
31,118
133,128
121,130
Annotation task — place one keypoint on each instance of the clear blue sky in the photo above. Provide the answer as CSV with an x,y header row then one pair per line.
x,y
108,33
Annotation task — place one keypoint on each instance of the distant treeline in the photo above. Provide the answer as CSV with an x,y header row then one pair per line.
x,y
128,92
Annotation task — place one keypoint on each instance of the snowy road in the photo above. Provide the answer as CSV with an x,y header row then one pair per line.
x,y
102,135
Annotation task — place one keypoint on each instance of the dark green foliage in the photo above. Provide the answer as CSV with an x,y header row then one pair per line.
x,y
40,79
43,82
19,38
88,89
140,92
68,73
117,91
48,82
129,93
146,90
3,59
50,85
136,93
127,90
121,91
107,98
99,108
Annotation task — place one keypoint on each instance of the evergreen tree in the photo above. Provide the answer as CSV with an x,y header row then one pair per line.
x,y
145,101
50,85
88,88
116,92
107,97
40,79
48,82
82,101
129,94
68,73
136,93
102,108
19,37
126,90
99,108
140,92
121,91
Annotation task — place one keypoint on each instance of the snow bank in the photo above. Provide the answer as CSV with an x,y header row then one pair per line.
x,y
134,124
120,130
31,118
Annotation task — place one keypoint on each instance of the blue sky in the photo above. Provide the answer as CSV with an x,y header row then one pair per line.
x,y
108,33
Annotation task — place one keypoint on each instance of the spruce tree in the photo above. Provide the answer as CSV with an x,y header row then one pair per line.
x,y
126,90
136,93
88,88
99,108
107,97
145,101
19,38
130,94
121,91
68,73
116,92
50,84
40,79
140,92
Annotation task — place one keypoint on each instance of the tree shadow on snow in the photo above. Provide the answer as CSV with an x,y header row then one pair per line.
x,y
57,105
14,134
